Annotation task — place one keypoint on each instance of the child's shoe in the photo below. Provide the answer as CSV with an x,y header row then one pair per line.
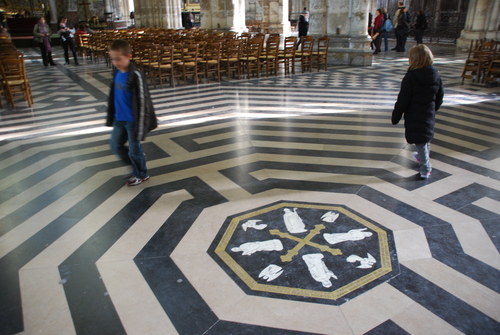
x,y
136,181
414,155
425,176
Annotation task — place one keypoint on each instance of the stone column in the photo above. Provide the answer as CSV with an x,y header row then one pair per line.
x,y
158,13
53,11
238,24
217,14
482,22
317,16
347,24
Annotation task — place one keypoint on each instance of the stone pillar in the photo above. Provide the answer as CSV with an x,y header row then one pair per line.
x,y
483,21
158,13
217,14
239,19
53,11
347,24
317,16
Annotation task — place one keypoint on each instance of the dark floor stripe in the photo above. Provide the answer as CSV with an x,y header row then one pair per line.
x,y
459,314
387,328
441,237
10,303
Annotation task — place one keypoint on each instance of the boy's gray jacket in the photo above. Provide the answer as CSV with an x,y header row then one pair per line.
x,y
142,105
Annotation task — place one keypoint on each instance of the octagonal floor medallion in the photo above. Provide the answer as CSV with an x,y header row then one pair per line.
x,y
307,252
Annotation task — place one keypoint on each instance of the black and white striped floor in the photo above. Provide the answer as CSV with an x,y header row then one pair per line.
x,y
260,166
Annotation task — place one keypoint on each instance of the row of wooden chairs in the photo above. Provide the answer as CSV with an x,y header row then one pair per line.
x,y
13,75
483,62
173,55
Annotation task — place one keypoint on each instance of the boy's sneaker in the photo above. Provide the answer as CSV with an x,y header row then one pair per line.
x,y
414,155
136,181
425,176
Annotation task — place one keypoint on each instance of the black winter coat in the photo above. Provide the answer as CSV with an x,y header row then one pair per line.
x,y
142,105
420,97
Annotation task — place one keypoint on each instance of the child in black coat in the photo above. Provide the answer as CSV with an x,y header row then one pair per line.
x,y
420,97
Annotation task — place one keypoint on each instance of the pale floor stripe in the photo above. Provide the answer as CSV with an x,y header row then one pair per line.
x,y
471,234
327,147
472,120
471,108
472,134
459,142
311,176
351,137
464,157
418,320
66,127
25,172
374,307
362,118
412,244
136,305
488,204
58,110
474,177
62,248
466,289
44,304
227,188
51,123
40,220
440,188
38,189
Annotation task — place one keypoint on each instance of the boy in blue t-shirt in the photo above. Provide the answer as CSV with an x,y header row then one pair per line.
x,y
130,111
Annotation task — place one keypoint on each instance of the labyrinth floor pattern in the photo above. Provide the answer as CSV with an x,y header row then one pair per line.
x,y
81,253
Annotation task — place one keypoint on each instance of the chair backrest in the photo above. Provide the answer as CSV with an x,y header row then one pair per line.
x,y
166,55
273,46
13,68
253,47
290,46
323,44
190,53
232,49
307,44
212,51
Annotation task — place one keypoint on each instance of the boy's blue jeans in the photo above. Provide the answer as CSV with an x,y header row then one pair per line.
x,y
123,131
423,151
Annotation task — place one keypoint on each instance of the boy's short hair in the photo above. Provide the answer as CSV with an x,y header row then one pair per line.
x,y
121,46
420,56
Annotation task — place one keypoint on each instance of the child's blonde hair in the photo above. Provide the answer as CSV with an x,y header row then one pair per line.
x,y
420,56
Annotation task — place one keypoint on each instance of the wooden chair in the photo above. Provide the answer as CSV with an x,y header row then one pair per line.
x,y
304,55
471,66
210,60
287,55
493,71
15,80
164,68
230,60
82,44
189,64
250,57
269,58
320,56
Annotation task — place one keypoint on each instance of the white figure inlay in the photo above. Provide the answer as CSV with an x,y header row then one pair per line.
x,y
366,263
330,216
271,272
293,221
318,269
253,224
351,235
252,247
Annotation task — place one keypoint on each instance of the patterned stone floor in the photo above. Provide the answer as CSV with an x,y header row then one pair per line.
x,y
283,205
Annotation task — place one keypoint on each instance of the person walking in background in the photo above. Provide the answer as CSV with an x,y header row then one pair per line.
x,y
67,31
385,33
402,30
303,28
305,12
130,111
377,30
41,33
420,26
419,99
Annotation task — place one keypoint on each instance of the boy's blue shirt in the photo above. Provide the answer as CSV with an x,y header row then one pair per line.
x,y
123,98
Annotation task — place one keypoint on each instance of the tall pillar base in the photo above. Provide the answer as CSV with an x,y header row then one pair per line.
x,y
352,51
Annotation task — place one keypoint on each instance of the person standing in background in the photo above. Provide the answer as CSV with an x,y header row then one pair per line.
x,y
385,33
306,14
67,31
420,26
377,30
303,28
41,33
